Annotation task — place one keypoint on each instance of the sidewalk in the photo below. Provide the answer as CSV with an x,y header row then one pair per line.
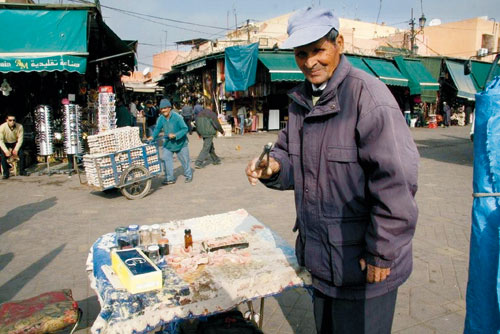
x,y
48,224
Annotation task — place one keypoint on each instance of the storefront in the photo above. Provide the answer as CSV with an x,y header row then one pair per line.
x,y
53,52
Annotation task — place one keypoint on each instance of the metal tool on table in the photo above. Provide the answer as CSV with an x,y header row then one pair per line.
x,y
265,151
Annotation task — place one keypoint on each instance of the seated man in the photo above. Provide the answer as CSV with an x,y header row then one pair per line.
x,y
11,141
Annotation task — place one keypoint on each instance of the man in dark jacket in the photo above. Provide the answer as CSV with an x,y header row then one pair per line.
x,y
123,115
207,126
349,157
187,114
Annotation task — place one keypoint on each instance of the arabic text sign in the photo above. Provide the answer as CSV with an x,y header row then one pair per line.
x,y
39,64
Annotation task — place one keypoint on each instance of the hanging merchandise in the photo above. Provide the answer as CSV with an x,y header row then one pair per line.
x,y
72,129
43,124
106,117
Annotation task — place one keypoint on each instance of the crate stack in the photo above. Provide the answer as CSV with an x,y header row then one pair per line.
x,y
106,114
125,146
43,124
72,129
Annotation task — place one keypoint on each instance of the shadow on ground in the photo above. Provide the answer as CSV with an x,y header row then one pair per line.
x,y
23,213
16,283
455,150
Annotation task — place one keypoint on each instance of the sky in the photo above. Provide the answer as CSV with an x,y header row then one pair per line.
x,y
210,18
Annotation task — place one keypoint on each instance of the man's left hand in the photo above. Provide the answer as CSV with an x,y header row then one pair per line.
x,y
374,274
171,135
14,153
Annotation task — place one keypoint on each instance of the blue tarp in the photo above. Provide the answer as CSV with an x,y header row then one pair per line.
x,y
483,312
241,66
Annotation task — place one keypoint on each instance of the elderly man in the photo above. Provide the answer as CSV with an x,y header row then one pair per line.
x,y
11,142
175,141
349,157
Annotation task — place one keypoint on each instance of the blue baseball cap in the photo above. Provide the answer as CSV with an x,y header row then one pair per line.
x,y
309,25
165,103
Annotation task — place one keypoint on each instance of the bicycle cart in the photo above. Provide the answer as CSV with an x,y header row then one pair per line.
x,y
129,170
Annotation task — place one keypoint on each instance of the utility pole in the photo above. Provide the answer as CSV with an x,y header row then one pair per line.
x,y
248,30
412,34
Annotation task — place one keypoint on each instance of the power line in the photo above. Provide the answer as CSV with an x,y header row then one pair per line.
x,y
154,17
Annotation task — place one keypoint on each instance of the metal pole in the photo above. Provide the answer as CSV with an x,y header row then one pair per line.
x,y
261,312
412,33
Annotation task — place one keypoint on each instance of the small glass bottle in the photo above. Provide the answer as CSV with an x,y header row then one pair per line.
x,y
155,233
164,247
145,235
188,239
133,235
122,240
154,253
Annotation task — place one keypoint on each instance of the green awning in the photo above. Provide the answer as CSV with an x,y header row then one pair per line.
x,y
479,73
43,40
386,72
433,65
281,66
464,84
359,63
418,77
39,63
428,96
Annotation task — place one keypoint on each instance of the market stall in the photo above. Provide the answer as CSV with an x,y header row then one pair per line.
x,y
233,259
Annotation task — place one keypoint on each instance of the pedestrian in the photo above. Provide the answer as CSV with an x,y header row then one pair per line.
x,y
242,113
407,107
207,125
197,109
123,115
133,108
349,157
11,142
151,117
187,114
446,114
468,113
175,141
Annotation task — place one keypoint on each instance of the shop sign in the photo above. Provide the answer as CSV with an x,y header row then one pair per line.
x,y
196,65
40,64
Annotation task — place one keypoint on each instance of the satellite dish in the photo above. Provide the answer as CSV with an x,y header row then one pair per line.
x,y
434,22
146,71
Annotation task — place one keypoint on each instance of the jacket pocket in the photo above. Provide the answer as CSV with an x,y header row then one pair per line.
x,y
341,154
347,246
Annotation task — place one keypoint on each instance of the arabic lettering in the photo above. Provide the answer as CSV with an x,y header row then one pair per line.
x,y
22,65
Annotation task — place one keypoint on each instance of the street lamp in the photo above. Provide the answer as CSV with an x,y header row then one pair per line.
x,y
414,33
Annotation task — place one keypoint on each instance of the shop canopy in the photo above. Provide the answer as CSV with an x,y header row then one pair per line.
x,y
386,72
282,66
418,77
479,73
359,63
464,84
43,40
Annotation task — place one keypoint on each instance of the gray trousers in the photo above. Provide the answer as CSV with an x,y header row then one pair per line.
x,y
208,150
363,316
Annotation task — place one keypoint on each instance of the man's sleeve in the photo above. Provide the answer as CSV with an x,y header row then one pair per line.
x,y
284,179
216,123
389,156
2,141
20,138
182,127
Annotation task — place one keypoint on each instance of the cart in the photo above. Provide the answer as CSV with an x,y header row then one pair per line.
x,y
129,170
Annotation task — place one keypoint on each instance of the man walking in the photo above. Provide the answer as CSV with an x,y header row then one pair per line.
x,y
175,141
349,157
11,142
446,114
187,114
207,126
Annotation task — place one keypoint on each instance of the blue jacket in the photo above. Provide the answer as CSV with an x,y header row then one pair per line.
x,y
174,124
353,165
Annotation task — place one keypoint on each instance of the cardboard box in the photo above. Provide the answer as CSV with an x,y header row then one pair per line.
x,y
135,270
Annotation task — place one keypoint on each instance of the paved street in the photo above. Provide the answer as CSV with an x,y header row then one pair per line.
x,y
48,224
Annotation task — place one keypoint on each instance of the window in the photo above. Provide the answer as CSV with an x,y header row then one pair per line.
x,y
488,42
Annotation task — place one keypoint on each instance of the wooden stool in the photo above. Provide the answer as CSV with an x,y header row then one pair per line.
x,y
47,313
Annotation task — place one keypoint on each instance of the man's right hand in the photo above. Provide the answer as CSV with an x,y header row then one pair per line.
x,y
7,154
261,172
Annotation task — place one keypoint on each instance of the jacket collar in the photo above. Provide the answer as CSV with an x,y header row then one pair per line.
x,y
328,102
